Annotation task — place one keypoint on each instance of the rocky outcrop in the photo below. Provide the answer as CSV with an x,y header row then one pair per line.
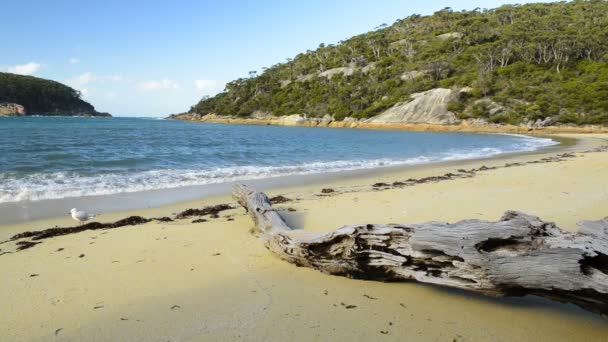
x,y
305,78
429,107
303,120
346,71
11,109
426,111
366,69
411,75
492,108
470,125
450,35
329,73
292,120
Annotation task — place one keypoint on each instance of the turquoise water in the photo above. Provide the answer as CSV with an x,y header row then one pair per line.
x,y
47,158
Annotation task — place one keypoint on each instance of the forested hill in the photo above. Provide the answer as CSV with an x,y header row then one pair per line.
x,y
43,97
517,63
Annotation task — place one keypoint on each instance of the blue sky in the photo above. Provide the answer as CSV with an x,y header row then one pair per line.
x,y
153,58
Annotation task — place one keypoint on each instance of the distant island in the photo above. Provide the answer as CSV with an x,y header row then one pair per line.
x,y
28,95
527,66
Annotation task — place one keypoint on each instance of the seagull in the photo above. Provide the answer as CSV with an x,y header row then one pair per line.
x,y
80,215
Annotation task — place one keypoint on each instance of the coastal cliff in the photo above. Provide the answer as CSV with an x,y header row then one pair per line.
x,y
11,109
27,96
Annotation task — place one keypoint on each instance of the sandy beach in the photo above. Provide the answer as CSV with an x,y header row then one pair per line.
x,y
214,280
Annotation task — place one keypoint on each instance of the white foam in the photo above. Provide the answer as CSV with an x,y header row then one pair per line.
x,y
61,185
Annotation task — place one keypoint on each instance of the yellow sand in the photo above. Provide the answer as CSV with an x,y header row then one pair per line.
x,y
166,281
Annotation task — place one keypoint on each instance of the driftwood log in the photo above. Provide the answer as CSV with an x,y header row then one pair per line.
x,y
516,256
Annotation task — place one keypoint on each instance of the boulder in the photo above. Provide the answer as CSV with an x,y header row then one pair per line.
x,y
450,35
292,120
262,115
492,107
347,71
11,109
548,121
305,78
429,107
410,75
368,68
326,120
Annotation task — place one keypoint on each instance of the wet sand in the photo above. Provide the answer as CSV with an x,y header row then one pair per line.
x,y
214,280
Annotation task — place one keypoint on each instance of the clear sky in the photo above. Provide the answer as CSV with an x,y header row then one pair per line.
x,y
153,58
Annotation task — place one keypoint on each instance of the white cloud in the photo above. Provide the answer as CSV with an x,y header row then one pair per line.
x,y
82,80
25,69
73,60
208,87
159,85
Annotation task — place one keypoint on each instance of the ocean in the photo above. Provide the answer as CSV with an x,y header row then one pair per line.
x,y
60,157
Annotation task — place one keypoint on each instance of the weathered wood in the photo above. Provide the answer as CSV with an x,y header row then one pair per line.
x,y
518,255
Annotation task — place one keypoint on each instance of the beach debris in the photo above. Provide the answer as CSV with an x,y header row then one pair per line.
x,y
370,297
34,275
212,211
327,191
163,219
463,173
21,245
175,307
97,307
81,256
279,199
518,255
58,331
216,254
384,332
59,231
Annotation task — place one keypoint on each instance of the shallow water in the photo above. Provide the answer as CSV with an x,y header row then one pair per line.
x,y
60,157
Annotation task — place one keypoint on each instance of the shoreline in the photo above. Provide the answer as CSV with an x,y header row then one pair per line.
x,y
465,126
25,211
211,279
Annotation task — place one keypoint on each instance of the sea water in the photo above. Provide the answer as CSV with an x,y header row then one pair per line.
x,y
59,157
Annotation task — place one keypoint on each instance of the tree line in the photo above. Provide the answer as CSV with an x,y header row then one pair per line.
x,y
535,61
